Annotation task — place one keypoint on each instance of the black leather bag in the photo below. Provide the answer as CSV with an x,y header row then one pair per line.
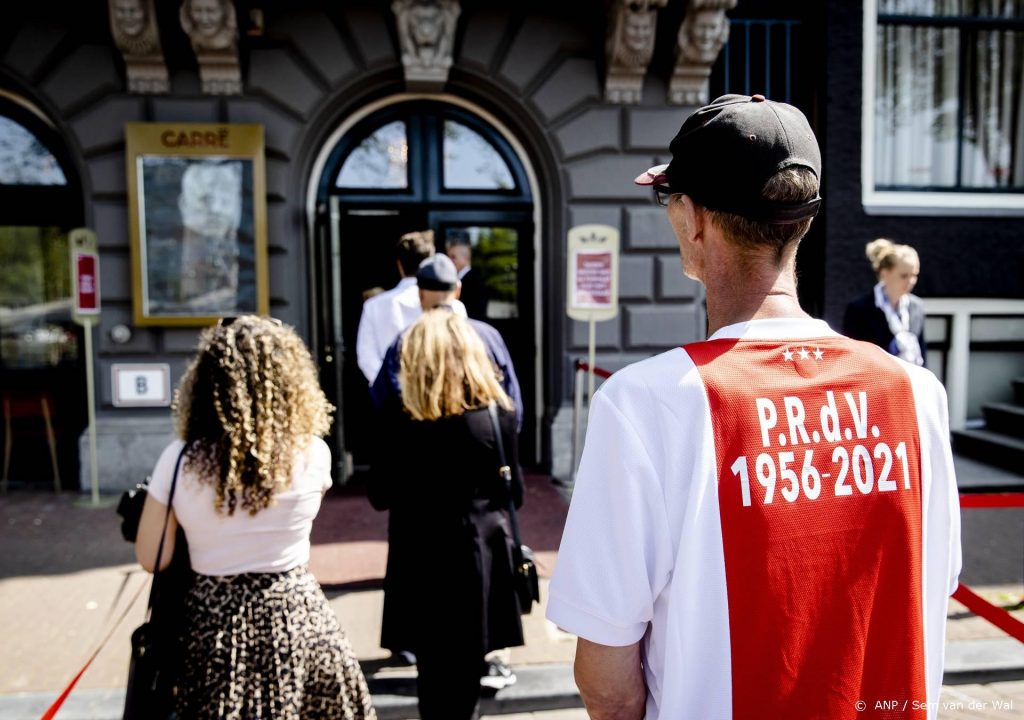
x,y
524,573
157,645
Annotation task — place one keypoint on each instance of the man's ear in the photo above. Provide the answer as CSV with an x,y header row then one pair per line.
x,y
695,218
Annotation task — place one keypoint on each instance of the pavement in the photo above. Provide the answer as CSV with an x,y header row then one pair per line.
x,y
65,574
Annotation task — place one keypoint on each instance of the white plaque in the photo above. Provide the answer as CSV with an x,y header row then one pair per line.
x,y
140,385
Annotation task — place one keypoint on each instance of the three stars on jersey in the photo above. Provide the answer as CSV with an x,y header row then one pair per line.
x,y
804,354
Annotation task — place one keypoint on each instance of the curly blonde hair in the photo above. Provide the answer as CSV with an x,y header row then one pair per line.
x,y
445,369
248,401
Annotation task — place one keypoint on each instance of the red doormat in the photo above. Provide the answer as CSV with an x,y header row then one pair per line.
x,y
350,538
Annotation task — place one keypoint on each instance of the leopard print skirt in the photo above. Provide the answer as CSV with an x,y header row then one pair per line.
x,y
267,645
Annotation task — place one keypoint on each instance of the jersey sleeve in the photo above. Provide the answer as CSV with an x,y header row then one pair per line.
x,y
615,555
163,472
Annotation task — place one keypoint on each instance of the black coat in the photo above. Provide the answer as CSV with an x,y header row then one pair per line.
x,y
449,571
474,294
865,321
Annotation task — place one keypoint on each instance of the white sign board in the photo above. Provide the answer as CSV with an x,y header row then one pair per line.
x,y
140,385
592,285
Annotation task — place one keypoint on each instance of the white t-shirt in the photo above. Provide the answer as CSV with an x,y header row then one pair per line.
x,y
773,514
273,540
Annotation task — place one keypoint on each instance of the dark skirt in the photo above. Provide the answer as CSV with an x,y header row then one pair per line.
x,y
267,645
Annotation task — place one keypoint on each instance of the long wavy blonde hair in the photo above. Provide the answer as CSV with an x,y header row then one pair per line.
x,y
249,400
445,369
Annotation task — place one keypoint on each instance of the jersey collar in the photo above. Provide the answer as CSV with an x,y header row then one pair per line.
x,y
775,329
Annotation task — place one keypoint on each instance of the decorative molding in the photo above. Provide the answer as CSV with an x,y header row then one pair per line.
x,y
629,49
212,27
136,35
702,35
426,33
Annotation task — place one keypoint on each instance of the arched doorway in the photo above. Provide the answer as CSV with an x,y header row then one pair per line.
x,y
42,377
413,165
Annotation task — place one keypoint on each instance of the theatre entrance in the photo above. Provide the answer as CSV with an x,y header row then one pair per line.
x,y
417,166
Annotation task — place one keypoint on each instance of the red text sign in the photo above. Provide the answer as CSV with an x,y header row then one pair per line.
x,y
87,283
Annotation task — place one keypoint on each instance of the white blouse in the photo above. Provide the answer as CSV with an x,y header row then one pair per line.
x,y
273,540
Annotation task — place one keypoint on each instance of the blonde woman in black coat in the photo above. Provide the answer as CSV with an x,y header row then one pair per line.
x,y
890,316
448,593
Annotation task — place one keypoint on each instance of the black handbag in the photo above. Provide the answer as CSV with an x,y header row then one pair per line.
x,y
157,645
524,570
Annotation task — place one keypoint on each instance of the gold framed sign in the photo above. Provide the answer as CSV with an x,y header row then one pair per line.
x,y
198,221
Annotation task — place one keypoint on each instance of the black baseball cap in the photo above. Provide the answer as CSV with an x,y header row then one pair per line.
x,y
725,152
437,272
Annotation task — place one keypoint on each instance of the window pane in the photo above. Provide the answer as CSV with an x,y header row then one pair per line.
x,y
916,107
24,160
35,298
953,8
381,161
994,112
494,253
472,163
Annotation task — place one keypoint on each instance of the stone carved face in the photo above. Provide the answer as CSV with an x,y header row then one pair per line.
x,y
207,16
637,30
706,32
426,23
130,17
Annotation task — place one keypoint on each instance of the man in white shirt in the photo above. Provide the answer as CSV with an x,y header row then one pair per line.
x,y
389,313
765,524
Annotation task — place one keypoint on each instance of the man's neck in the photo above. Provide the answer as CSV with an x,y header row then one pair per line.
x,y
739,290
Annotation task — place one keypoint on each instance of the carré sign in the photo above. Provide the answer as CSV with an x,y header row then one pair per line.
x,y
85,273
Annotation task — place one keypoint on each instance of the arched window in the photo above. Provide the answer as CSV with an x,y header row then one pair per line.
x,y
41,368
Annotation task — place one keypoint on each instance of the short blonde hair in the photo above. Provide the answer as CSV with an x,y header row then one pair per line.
x,y
445,368
884,254
792,184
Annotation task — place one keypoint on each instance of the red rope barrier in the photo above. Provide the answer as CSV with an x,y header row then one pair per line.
x,y
600,372
992,500
995,615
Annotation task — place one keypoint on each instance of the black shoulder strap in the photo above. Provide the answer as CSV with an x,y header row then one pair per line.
x,y
505,471
163,533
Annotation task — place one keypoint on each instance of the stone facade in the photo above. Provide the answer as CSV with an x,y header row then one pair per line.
x,y
315,64
541,73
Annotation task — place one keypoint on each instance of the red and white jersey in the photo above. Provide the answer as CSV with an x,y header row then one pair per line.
x,y
774,514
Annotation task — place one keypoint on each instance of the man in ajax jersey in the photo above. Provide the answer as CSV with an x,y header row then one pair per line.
x,y
765,524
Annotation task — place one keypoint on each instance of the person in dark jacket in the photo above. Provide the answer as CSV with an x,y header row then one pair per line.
x,y
890,316
474,291
448,590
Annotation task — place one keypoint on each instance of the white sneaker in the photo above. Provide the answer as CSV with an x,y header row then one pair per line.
x,y
497,675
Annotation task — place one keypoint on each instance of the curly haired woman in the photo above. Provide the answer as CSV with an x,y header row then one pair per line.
x,y
448,592
261,639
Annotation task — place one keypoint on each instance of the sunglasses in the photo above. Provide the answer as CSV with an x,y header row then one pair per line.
x,y
663,194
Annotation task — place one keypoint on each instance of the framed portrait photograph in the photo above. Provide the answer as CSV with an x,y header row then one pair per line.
x,y
198,221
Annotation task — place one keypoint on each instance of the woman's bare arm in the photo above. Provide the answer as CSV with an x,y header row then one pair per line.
x,y
147,540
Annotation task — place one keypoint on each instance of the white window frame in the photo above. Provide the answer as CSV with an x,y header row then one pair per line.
x,y
893,202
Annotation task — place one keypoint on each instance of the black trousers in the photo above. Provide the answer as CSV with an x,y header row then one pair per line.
x,y
448,681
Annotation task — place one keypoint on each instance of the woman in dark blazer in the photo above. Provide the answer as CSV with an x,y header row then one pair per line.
x,y
448,590
890,316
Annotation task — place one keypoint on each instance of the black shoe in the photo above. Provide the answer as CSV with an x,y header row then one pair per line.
x,y
497,675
